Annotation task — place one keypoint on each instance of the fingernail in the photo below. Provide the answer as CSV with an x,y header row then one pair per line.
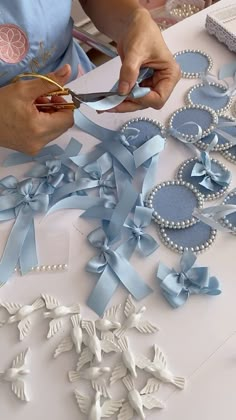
x,y
124,88
62,71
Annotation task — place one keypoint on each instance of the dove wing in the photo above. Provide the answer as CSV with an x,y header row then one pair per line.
x,y
11,308
111,313
100,386
24,327
143,362
151,386
118,373
50,302
83,402
18,387
54,326
146,327
65,345
106,335
110,407
109,346
150,402
159,357
85,357
126,412
89,327
129,307
20,359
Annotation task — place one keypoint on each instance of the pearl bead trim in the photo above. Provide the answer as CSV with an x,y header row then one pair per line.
x,y
193,137
208,195
165,239
225,222
189,100
218,147
169,223
195,75
47,268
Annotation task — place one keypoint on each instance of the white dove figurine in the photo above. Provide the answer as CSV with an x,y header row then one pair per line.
x,y
134,320
108,322
128,363
94,344
159,370
137,402
21,314
95,375
15,374
57,312
93,409
74,340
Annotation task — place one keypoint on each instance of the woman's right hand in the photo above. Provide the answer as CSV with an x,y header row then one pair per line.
x,y
22,126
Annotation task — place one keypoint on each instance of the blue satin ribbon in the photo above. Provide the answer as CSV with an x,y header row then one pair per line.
x,y
113,269
176,287
25,202
174,132
47,153
76,202
225,72
138,240
113,101
214,216
210,177
51,172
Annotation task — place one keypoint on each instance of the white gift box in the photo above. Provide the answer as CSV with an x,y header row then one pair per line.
x,y
222,24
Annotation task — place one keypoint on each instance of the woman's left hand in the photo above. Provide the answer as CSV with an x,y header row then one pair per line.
x,y
142,45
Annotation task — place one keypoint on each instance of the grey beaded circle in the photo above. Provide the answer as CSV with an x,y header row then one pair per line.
x,y
184,122
200,94
197,238
184,174
173,203
223,144
148,128
233,109
229,221
193,63
230,154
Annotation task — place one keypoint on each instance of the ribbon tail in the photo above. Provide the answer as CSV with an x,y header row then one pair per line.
x,y
103,291
28,256
76,202
14,244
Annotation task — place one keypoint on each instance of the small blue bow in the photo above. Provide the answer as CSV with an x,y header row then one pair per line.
x,y
21,203
51,172
113,269
210,177
176,287
137,238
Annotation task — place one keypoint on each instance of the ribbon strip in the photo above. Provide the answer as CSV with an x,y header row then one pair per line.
x,y
113,269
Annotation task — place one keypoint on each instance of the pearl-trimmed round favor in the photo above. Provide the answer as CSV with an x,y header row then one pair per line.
x,y
173,203
222,144
185,122
184,174
200,94
193,63
148,129
229,221
197,238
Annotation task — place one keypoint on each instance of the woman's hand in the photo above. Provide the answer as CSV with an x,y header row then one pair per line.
x,y
22,126
141,44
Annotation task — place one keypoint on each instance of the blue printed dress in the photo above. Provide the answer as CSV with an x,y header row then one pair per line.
x,y
36,36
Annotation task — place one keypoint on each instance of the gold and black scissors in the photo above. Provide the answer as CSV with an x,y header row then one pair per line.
x,y
77,98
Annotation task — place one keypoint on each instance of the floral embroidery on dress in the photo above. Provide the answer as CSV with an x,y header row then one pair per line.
x,y
41,59
14,44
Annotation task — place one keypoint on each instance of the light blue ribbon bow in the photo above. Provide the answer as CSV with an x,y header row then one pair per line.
x,y
210,177
51,172
176,287
22,203
137,238
113,269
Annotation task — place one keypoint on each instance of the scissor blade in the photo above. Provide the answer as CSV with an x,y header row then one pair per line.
x,y
92,97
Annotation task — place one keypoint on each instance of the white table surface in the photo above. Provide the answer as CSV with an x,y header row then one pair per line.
x,y
198,338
